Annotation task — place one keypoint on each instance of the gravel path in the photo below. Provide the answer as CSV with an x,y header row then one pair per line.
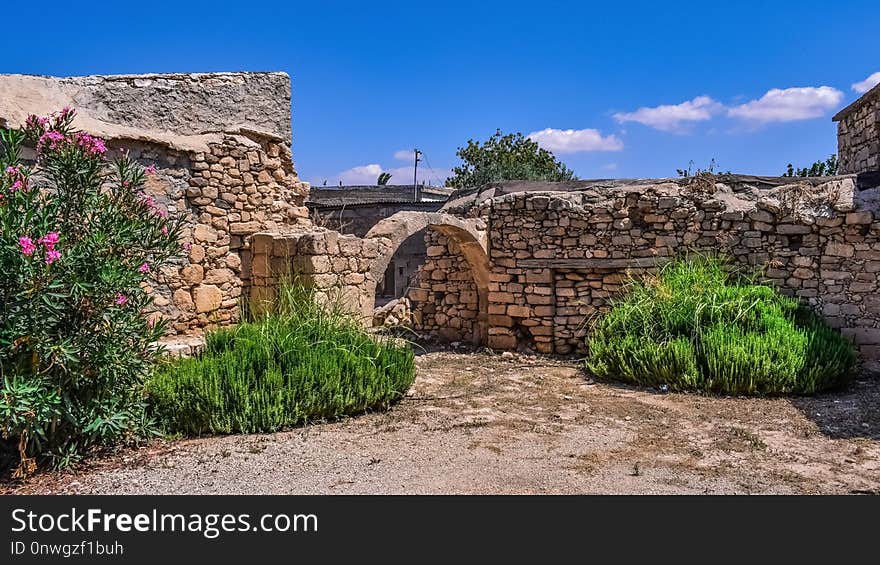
x,y
481,423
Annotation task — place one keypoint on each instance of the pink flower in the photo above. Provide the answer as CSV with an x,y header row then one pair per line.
x,y
18,178
36,122
121,299
151,170
152,205
164,230
151,322
27,245
52,256
144,268
51,138
187,246
49,240
90,144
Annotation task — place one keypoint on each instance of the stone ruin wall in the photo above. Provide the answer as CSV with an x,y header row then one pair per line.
x,y
337,267
558,254
239,187
858,135
445,294
221,145
559,257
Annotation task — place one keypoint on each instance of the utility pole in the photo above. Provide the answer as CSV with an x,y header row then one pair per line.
x,y
416,195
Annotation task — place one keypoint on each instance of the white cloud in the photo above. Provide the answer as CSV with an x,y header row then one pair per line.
x,y
609,167
365,174
788,105
671,117
404,155
867,84
368,174
575,140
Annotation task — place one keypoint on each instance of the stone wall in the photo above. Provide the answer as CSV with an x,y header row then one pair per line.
x,y
558,256
349,211
220,143
858,135
239,187
530,265
336,266
445,292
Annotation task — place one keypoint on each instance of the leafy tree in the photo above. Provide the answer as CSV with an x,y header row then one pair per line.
x,y
383,178
826,168
78,240
506,157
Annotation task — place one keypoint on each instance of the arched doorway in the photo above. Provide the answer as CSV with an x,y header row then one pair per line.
x,y
451,296
402,269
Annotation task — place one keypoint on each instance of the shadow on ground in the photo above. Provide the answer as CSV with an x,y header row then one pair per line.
x,y
853,412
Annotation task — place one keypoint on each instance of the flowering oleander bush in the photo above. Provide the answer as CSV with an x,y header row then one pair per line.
x,y
78,239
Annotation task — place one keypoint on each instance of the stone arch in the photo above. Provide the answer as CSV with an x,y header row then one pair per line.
x,y
468,234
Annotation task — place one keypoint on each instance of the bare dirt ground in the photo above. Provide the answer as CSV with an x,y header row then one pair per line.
x,y
485,423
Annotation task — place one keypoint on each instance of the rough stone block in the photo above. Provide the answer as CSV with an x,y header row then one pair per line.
x,y
205,233
350,246
837,249
207,298
860,218
501,321
260,266
519,311
504,341
192,274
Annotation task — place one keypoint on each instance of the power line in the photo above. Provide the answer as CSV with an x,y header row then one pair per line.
x,y
433,172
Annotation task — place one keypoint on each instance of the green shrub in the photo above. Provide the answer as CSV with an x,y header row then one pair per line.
x,y
695,327
78,238
300,362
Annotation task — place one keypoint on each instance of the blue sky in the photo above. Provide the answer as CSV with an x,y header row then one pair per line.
x,y
644,87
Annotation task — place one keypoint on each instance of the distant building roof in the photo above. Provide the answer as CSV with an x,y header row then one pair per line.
x,y
365,195
873,93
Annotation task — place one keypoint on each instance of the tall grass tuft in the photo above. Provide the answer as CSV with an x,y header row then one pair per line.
x,y
297,363
696,327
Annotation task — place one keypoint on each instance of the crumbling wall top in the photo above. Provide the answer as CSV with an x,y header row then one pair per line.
x,y
811,196
184,111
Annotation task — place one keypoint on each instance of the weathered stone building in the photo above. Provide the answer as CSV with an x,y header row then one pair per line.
x,y
221,145
858,135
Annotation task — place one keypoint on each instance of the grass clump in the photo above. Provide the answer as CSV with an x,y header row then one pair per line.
x,y
298,363
696,327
